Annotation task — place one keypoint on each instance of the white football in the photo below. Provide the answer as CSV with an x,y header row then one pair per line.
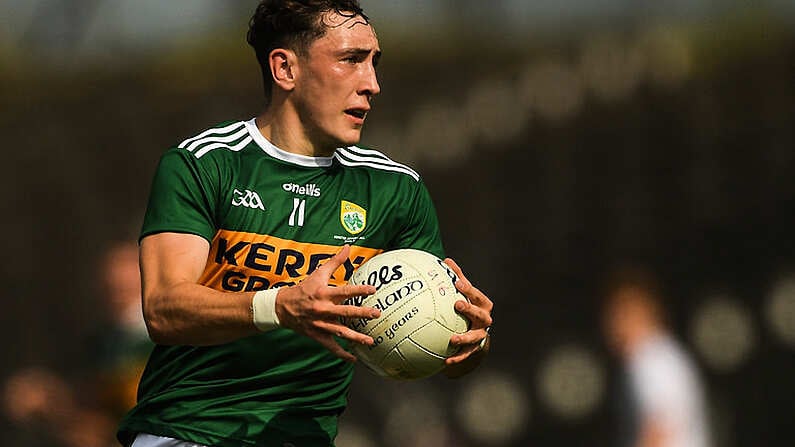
x,y
415,292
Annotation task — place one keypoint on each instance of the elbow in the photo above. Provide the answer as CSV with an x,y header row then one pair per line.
x,y
156,321
156,329
156,332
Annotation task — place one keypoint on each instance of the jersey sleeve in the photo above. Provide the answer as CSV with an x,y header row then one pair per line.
x,y
181,199
421,229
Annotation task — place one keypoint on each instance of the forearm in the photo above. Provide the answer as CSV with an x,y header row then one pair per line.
x,y
192,314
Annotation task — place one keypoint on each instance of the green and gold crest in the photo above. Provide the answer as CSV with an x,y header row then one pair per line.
x,y
353,217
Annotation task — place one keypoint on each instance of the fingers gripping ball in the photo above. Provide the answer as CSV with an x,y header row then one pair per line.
x,y
415,292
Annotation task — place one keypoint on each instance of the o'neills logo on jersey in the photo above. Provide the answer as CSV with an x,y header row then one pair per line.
x,y
309,189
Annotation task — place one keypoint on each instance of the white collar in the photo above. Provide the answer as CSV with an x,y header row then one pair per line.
x,y
289,157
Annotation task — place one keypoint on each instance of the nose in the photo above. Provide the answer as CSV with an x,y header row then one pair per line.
x,y
369,86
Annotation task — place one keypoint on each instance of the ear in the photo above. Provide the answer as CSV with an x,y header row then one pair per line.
x,y
284,68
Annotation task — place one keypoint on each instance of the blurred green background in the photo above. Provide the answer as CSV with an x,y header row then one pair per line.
x,y
557,138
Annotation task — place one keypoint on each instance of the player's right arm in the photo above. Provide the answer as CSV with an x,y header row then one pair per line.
x,y
179,311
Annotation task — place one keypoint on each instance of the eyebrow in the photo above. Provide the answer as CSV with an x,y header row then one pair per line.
x,y
359,52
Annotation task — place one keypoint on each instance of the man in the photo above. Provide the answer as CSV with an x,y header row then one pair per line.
x,y
241,242
121,345
82,409
663,397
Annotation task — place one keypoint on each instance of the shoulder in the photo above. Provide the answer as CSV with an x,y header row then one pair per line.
x,y
225,137
663,353
373,160
664,368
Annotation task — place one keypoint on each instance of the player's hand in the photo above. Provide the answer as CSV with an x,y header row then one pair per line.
x,y
478,312
313,308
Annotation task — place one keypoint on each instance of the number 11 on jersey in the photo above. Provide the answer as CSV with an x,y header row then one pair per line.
x,y
297,216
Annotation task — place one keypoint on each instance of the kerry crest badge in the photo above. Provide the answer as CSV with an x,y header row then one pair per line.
x,y
353,217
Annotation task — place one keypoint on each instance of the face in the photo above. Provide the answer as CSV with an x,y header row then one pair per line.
x,y
615,326
123,281
626,319
336,81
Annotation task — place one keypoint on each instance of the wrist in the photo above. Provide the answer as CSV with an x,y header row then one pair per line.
x,y
263,310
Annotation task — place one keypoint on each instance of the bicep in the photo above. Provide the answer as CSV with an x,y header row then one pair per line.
x,y
421,225
169,259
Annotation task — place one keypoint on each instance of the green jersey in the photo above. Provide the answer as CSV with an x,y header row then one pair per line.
x,y
271,218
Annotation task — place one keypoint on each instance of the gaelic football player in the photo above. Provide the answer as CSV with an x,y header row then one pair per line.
x,y
252,230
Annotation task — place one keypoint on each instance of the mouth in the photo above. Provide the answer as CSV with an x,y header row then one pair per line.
x,y
357,113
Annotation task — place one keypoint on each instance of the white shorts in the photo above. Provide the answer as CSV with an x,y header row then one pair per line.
x,y
147,440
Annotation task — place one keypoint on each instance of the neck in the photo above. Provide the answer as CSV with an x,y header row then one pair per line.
x,y
640,336
280,124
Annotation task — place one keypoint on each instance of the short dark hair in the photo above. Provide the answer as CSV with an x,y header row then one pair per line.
x,y
292,24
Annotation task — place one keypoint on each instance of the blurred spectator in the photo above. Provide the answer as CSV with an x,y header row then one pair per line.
x,y
84,412
662,394
123,344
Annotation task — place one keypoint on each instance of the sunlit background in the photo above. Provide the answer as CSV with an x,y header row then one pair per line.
x,y
558,138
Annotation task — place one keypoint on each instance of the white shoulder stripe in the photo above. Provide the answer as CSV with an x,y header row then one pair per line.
x,y
225,139
234,148
363,151
382,167
386,161
213,131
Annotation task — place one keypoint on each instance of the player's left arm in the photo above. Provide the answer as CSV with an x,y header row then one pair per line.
x,y
475,343
421,231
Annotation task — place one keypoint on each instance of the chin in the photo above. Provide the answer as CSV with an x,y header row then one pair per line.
x,y
350,139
